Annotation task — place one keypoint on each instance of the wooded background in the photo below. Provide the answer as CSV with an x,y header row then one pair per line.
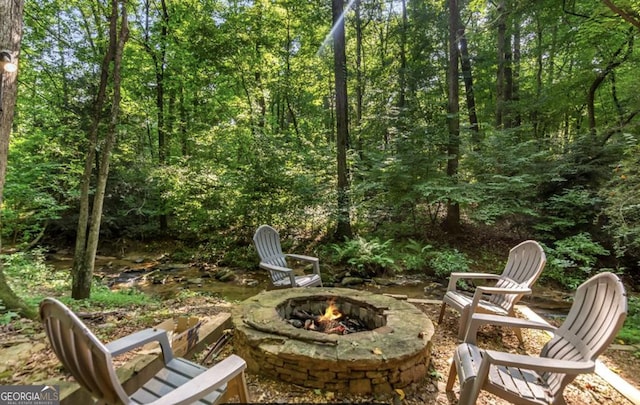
x,y
222,115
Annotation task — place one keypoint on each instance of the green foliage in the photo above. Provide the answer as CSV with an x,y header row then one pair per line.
x,y
367,257
445,262
249,127
6,316
630,332
571,260
414,256
622,196
27,272
572,209
37,189
103,296
506,176
32,280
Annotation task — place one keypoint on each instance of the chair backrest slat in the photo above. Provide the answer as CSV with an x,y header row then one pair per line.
x,y
81,353
596,315
524,266
267,243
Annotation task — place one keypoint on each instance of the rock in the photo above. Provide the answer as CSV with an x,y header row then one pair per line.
x,y
225,275
383,281
249,282
197,281
173,266
352,281
296,322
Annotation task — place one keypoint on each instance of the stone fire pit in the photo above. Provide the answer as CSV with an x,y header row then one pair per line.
x,y
394,354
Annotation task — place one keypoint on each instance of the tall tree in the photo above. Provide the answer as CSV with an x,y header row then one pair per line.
x,y
452,221
343,227
158,53
89,226
467,75
10,39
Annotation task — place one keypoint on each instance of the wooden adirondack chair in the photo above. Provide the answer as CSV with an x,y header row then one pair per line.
x,y
596,315
267,243
525,263
179,382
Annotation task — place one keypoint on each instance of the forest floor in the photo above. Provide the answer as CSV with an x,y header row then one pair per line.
x,y
28,359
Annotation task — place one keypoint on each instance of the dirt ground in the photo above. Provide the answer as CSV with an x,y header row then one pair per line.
x,y
27,359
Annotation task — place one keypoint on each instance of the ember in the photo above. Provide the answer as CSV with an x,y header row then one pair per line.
x,y
332,321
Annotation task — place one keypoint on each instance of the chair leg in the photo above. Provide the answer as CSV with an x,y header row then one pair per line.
x,y
518,333
237,386
463,323
453,373
442,308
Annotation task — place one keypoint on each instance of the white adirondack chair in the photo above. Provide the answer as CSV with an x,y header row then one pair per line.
x,y
267,243
526,262
596,315
179,382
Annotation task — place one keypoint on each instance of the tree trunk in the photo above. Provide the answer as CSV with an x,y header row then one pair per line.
x,y
10,39
452,222
161,62
501,74
467,75
359,80
88,231
516,118
343,228
403,57
617,59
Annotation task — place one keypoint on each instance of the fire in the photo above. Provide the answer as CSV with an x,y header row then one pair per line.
x,y
331,313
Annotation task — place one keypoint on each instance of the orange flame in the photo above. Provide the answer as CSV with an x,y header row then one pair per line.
x,y
331,313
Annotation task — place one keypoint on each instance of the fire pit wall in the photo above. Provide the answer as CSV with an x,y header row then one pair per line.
x,y
394,354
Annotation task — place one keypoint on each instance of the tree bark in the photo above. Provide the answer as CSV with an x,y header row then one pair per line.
x,y
89,228
627,14
10,40
467,75
158,56
501,74
616,60
359,80
343,227
403,57
452,221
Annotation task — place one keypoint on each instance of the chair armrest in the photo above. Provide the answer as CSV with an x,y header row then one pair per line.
x,y
478,320
139,339
279,269
302,257
273,267
205,383
310,259
540,364
482,291
455,276
502,290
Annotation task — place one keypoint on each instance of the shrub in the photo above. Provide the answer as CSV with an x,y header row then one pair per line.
x,y
414,256
367,257
445,262
630,332
571,260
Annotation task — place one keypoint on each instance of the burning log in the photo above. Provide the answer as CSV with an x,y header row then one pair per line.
x,y
332,321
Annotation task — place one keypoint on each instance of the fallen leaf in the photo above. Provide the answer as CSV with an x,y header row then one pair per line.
x,y
377,351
